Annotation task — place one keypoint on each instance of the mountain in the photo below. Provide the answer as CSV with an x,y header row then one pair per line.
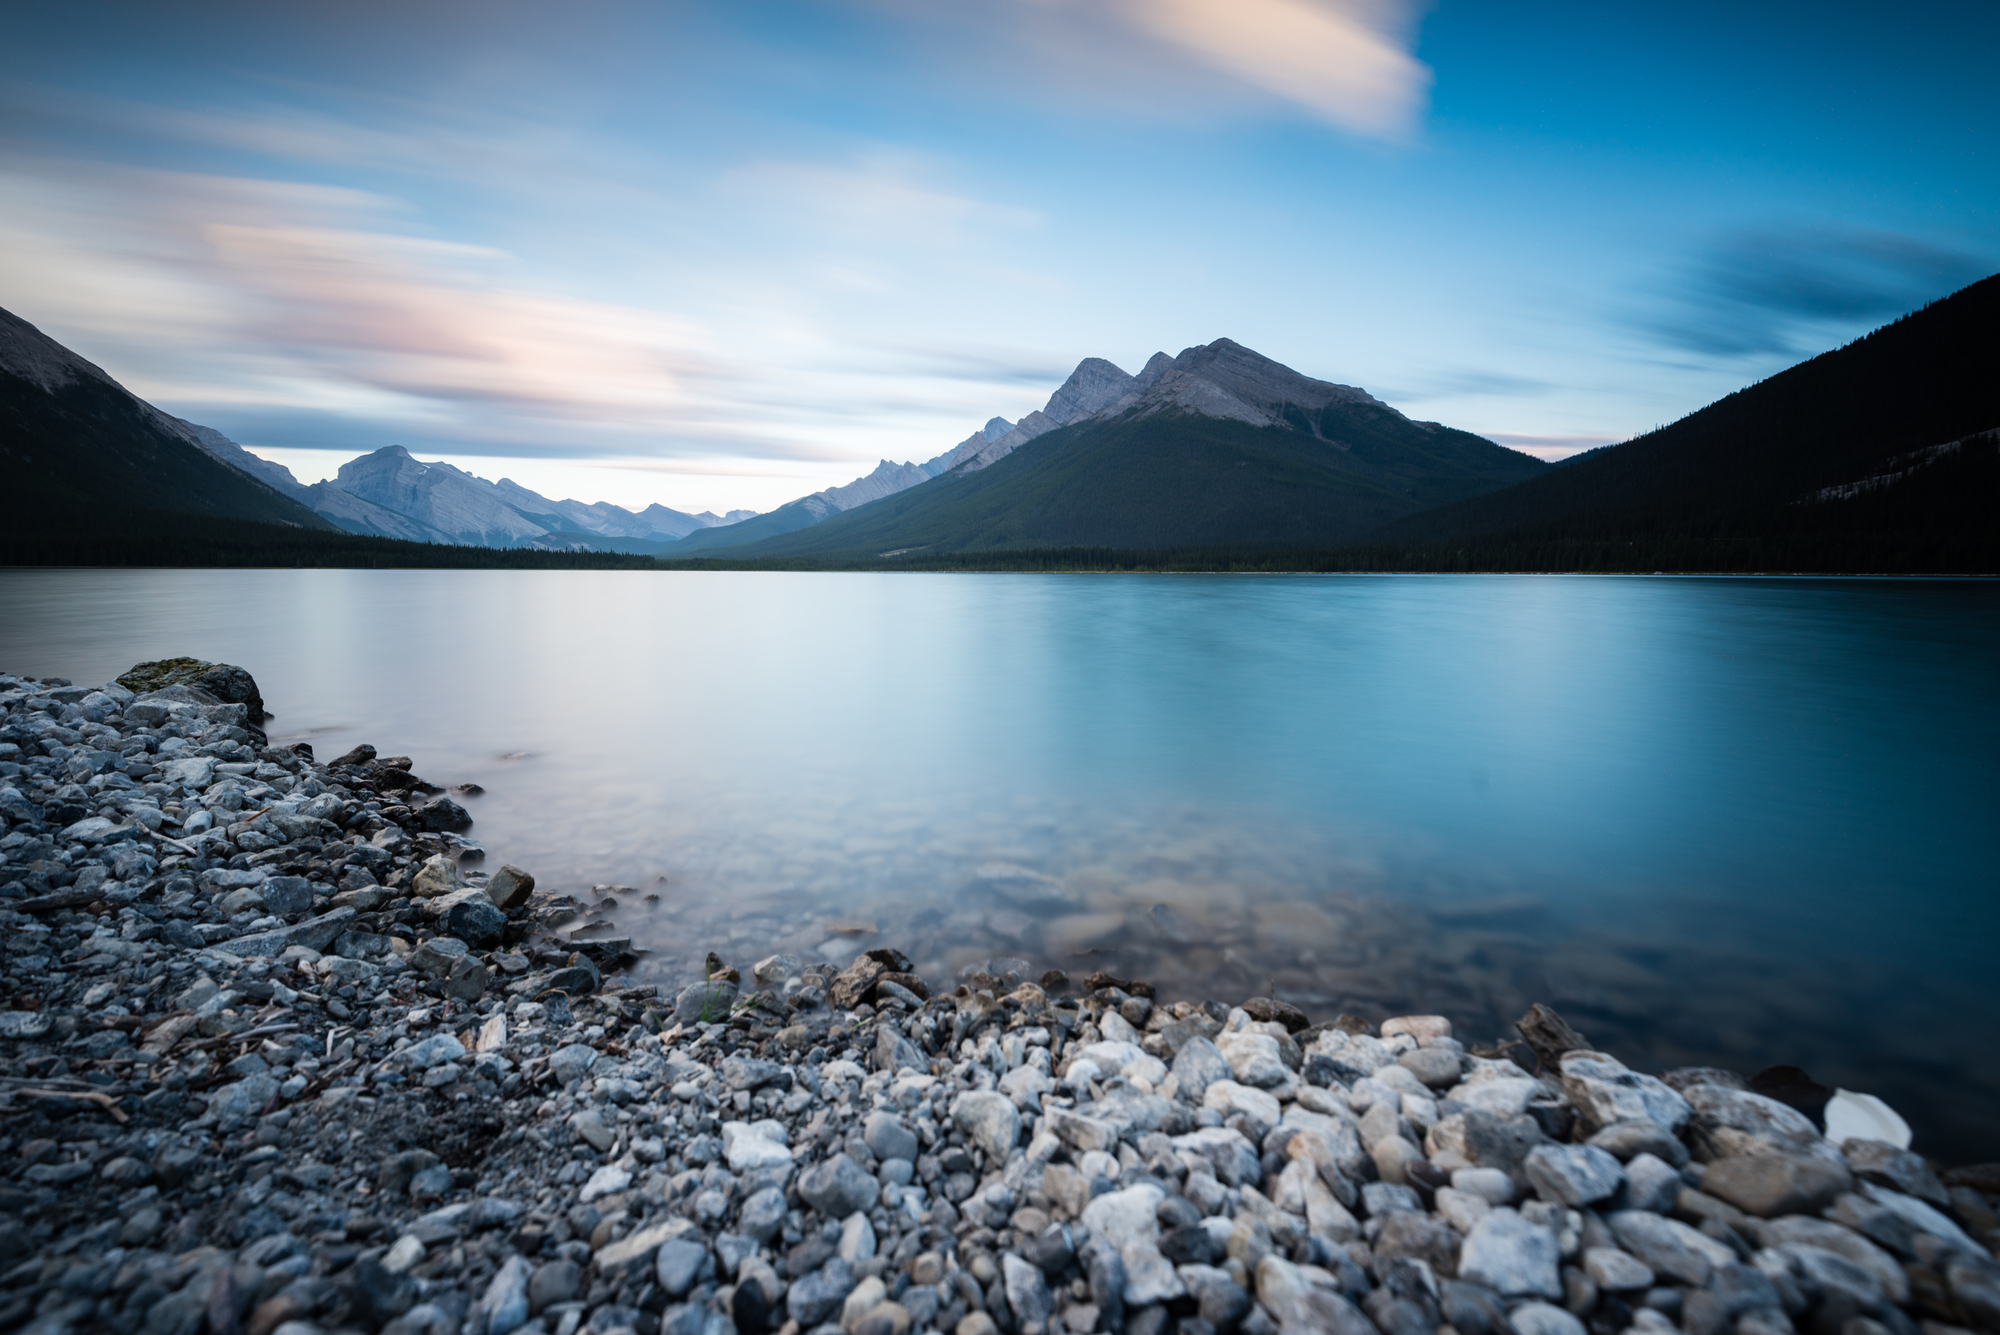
x,y
887,480
391,494
74,442
1218,445
1875,456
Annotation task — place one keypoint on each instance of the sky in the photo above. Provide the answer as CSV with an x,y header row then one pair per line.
x,y
717,256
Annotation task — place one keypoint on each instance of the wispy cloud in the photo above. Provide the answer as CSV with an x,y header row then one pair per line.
x,y
275,301
428,319
1346,61
1349,63
1778,291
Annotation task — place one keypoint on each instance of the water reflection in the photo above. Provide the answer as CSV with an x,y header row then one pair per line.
x,y
1729,821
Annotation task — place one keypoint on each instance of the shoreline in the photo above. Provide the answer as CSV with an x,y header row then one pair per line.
x,y
277,1064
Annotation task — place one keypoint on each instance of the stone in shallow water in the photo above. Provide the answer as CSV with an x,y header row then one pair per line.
x,y
477,922
438,876
579,980
444,814
510,887
705,1003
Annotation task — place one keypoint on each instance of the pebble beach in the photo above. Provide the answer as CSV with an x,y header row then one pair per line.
x,y
280,1055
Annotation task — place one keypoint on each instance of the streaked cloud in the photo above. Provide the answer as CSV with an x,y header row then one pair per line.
x,y
433,321
300,314
1780,291
1346,61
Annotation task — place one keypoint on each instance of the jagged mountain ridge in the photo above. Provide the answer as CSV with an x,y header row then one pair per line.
x,y
887,480
1218,445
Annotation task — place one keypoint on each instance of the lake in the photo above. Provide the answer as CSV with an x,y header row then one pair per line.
x,y
1713,821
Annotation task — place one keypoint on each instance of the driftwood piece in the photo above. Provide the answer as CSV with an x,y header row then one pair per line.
x,y
1549,1034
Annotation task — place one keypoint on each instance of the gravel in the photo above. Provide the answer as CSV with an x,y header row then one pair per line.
x,y
281,1060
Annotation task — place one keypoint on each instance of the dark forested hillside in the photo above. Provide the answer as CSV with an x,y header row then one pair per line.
x,y
88,447
1785,466
1328,475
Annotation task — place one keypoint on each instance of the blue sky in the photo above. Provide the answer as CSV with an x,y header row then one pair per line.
x,y
719,256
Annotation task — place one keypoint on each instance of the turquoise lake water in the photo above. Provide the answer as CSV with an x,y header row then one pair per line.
x,y
1728,821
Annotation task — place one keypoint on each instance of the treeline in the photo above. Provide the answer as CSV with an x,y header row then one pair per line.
x,y
154,538
1935,520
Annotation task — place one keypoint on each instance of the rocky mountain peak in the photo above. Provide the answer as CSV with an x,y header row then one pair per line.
x,y
1227,380
1156,366
1092,387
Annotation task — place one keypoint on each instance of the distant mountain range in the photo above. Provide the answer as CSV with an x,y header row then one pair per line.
x,y
390,494
1881,455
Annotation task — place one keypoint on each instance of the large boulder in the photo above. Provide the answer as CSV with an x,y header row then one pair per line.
x,y
228,683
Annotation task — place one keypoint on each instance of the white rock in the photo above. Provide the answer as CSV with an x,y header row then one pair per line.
x,y
1512,1256
1851,1116
857,1238
1461,1209
1603,1091
866,1296
1360,1051
1228,1096
1493,1185
604,1182
750,1146
406,1253
1125,1217
990,1120
1543,1319
1128,1059
1502,1098
1254,1059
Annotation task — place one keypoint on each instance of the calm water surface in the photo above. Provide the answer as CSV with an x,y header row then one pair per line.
x,y
1723,821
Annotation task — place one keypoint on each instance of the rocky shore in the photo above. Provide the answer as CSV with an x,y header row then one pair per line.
x,y
276,1059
